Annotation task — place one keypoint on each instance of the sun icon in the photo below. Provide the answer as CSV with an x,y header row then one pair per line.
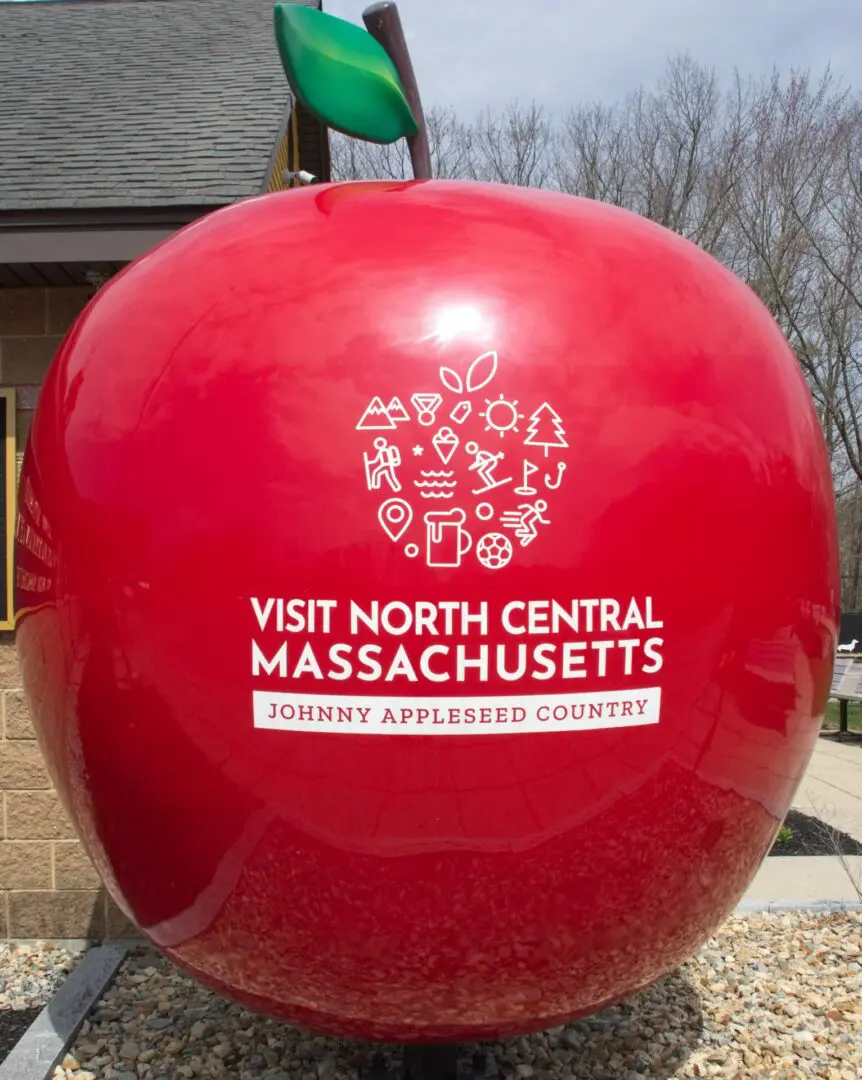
x,y
501,415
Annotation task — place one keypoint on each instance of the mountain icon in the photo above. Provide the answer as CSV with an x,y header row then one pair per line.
x,y
376,417
397,412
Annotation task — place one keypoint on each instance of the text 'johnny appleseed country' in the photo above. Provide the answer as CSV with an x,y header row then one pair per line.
x,y
456,716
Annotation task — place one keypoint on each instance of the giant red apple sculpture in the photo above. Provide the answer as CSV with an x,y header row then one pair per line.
x,y
427,600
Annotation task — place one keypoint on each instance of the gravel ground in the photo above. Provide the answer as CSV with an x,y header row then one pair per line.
x,y
28,978
775,997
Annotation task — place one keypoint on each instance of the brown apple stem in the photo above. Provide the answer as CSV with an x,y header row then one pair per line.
x,y
383,22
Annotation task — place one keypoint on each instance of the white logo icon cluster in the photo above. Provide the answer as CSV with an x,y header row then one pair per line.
x,y
471,500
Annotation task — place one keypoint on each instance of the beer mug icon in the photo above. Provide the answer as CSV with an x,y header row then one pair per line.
x,y
446,539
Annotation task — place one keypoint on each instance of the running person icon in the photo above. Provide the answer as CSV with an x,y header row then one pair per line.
x,y
525,519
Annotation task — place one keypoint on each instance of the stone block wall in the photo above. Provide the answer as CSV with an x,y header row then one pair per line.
x,y
48,887
32,325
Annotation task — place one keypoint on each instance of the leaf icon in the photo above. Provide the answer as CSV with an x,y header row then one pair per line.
x,y
451,380
342,75
481,371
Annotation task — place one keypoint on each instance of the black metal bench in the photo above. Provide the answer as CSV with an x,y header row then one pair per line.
x,y
846,686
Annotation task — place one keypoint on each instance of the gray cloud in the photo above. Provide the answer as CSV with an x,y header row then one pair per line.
x,y
471,53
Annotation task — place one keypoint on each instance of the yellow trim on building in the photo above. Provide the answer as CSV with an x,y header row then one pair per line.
x,y
287,158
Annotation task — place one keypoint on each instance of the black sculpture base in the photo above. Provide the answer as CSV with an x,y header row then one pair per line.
x,y
433,1062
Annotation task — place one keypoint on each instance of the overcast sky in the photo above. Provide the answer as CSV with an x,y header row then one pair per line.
x,y
469,53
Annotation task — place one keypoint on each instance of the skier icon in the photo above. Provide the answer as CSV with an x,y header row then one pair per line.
x,y
525,519
382,465
485,464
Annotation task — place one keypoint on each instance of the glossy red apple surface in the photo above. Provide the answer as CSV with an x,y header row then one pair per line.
x,y
427,601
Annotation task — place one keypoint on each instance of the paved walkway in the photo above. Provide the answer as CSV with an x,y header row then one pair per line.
x,y
801,880
832,792
832,787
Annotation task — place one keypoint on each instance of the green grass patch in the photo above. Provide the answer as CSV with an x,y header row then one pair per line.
x,y
854,716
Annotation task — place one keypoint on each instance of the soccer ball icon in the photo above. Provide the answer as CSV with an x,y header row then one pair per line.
x,y
494,550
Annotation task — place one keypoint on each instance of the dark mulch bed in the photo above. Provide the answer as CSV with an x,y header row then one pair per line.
x,y
13,1024
813,837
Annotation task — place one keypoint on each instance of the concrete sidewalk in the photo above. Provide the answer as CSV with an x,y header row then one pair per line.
x,y
802,880
832,787
831,791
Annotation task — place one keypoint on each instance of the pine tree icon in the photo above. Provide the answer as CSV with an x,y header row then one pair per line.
x,y
546,429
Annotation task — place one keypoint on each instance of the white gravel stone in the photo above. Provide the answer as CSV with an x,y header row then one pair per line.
x,y
29,974
775,997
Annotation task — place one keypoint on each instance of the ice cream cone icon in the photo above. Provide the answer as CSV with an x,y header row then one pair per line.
x,y
445,442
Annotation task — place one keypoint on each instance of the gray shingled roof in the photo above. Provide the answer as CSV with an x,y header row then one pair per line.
x,y
125,103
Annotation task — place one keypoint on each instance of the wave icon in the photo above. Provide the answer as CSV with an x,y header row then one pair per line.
x,y
437,485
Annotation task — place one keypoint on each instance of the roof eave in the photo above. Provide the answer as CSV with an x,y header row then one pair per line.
x,y
85,217
110,234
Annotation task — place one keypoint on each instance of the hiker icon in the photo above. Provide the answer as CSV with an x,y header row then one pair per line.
x,y
382,465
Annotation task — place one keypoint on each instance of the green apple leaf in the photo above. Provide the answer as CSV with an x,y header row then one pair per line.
x,y
342,75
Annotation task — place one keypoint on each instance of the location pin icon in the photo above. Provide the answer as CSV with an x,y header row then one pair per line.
x,y
395,516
